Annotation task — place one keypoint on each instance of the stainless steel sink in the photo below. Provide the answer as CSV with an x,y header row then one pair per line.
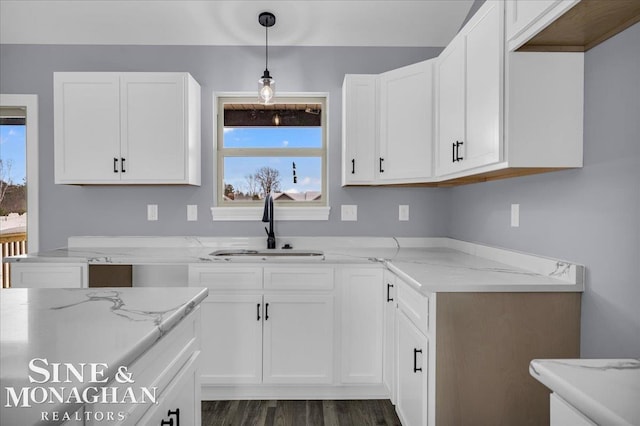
x,y
267,253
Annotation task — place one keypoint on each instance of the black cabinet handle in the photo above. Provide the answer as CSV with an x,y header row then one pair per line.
x,y
122,160
458,157
381,169
170,414
453,152
258,311
266,311
115,165
415,360
353,166
389,299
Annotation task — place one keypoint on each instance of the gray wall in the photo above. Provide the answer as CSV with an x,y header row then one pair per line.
x,y
121,210
590,215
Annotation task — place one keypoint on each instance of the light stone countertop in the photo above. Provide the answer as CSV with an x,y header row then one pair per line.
x,y
607,391
429,264
111,326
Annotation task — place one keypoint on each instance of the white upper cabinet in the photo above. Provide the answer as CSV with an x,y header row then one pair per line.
x,y
406,123
470,94
387,126
127,128
358,129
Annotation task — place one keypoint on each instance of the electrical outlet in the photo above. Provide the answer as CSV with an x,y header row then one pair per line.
x,y
349,212
515,215
152,212
403,212
192,212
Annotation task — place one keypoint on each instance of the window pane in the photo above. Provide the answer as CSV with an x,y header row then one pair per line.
x,y
272,137
288,178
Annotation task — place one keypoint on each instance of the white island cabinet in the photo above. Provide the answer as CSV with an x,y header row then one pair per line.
x,y
126,128
139,347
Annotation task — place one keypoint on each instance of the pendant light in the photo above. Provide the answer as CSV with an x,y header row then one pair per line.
x,y
266,84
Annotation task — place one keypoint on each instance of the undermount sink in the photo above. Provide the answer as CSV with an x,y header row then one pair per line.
x,y
267,253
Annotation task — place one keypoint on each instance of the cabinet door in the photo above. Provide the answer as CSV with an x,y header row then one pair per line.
x,y
179,401
154,145
412,373
406,123
86,127
451,88
390,340
358,129
362,325
231,339
298,339
484,88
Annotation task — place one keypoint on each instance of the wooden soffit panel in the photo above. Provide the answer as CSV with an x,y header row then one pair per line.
x,y
585,25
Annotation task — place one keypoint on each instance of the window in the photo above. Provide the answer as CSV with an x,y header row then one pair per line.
x,y
279,149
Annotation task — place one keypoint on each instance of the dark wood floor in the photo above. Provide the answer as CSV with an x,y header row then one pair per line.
x,y
299,413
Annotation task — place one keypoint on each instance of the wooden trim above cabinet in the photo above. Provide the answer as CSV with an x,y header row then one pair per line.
x,y
585,25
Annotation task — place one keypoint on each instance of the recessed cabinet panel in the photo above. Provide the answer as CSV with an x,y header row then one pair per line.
x,y
362,325
231,339
87,126
153,127
298,339
451,104
484,90
358,128
412,373
406,123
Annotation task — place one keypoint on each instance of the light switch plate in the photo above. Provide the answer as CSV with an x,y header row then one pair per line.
x,y
152,212
515,215
403,212
349,212
192,212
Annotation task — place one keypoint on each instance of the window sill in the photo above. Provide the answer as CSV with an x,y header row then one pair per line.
x,y
281,213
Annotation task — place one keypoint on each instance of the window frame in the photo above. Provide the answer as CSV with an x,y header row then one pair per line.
x,y
285,210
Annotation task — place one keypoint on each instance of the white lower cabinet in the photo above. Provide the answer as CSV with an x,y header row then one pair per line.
x,y
275,327
412,361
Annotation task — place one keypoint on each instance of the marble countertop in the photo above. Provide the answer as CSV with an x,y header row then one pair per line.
x,y
429,264
110,326
607,391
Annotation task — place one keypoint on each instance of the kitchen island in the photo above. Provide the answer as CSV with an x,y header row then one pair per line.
x,y
100,356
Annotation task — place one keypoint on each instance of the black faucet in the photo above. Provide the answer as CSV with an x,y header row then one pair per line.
x,y
268,217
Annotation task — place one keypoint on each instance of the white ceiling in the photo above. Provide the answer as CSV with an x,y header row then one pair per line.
x,y
217,22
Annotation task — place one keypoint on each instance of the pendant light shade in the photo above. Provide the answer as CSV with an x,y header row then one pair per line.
x,y
266,84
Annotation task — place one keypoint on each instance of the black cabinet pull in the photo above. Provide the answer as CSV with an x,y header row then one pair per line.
x,y
122,160
115,165
453,152
353,166
458,157
389,299
415,360
170,414
258,311
381,169
266,311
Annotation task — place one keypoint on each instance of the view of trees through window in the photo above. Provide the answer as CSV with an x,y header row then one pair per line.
x,y
277,149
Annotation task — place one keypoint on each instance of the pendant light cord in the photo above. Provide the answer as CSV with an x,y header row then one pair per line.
x,y
266,47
